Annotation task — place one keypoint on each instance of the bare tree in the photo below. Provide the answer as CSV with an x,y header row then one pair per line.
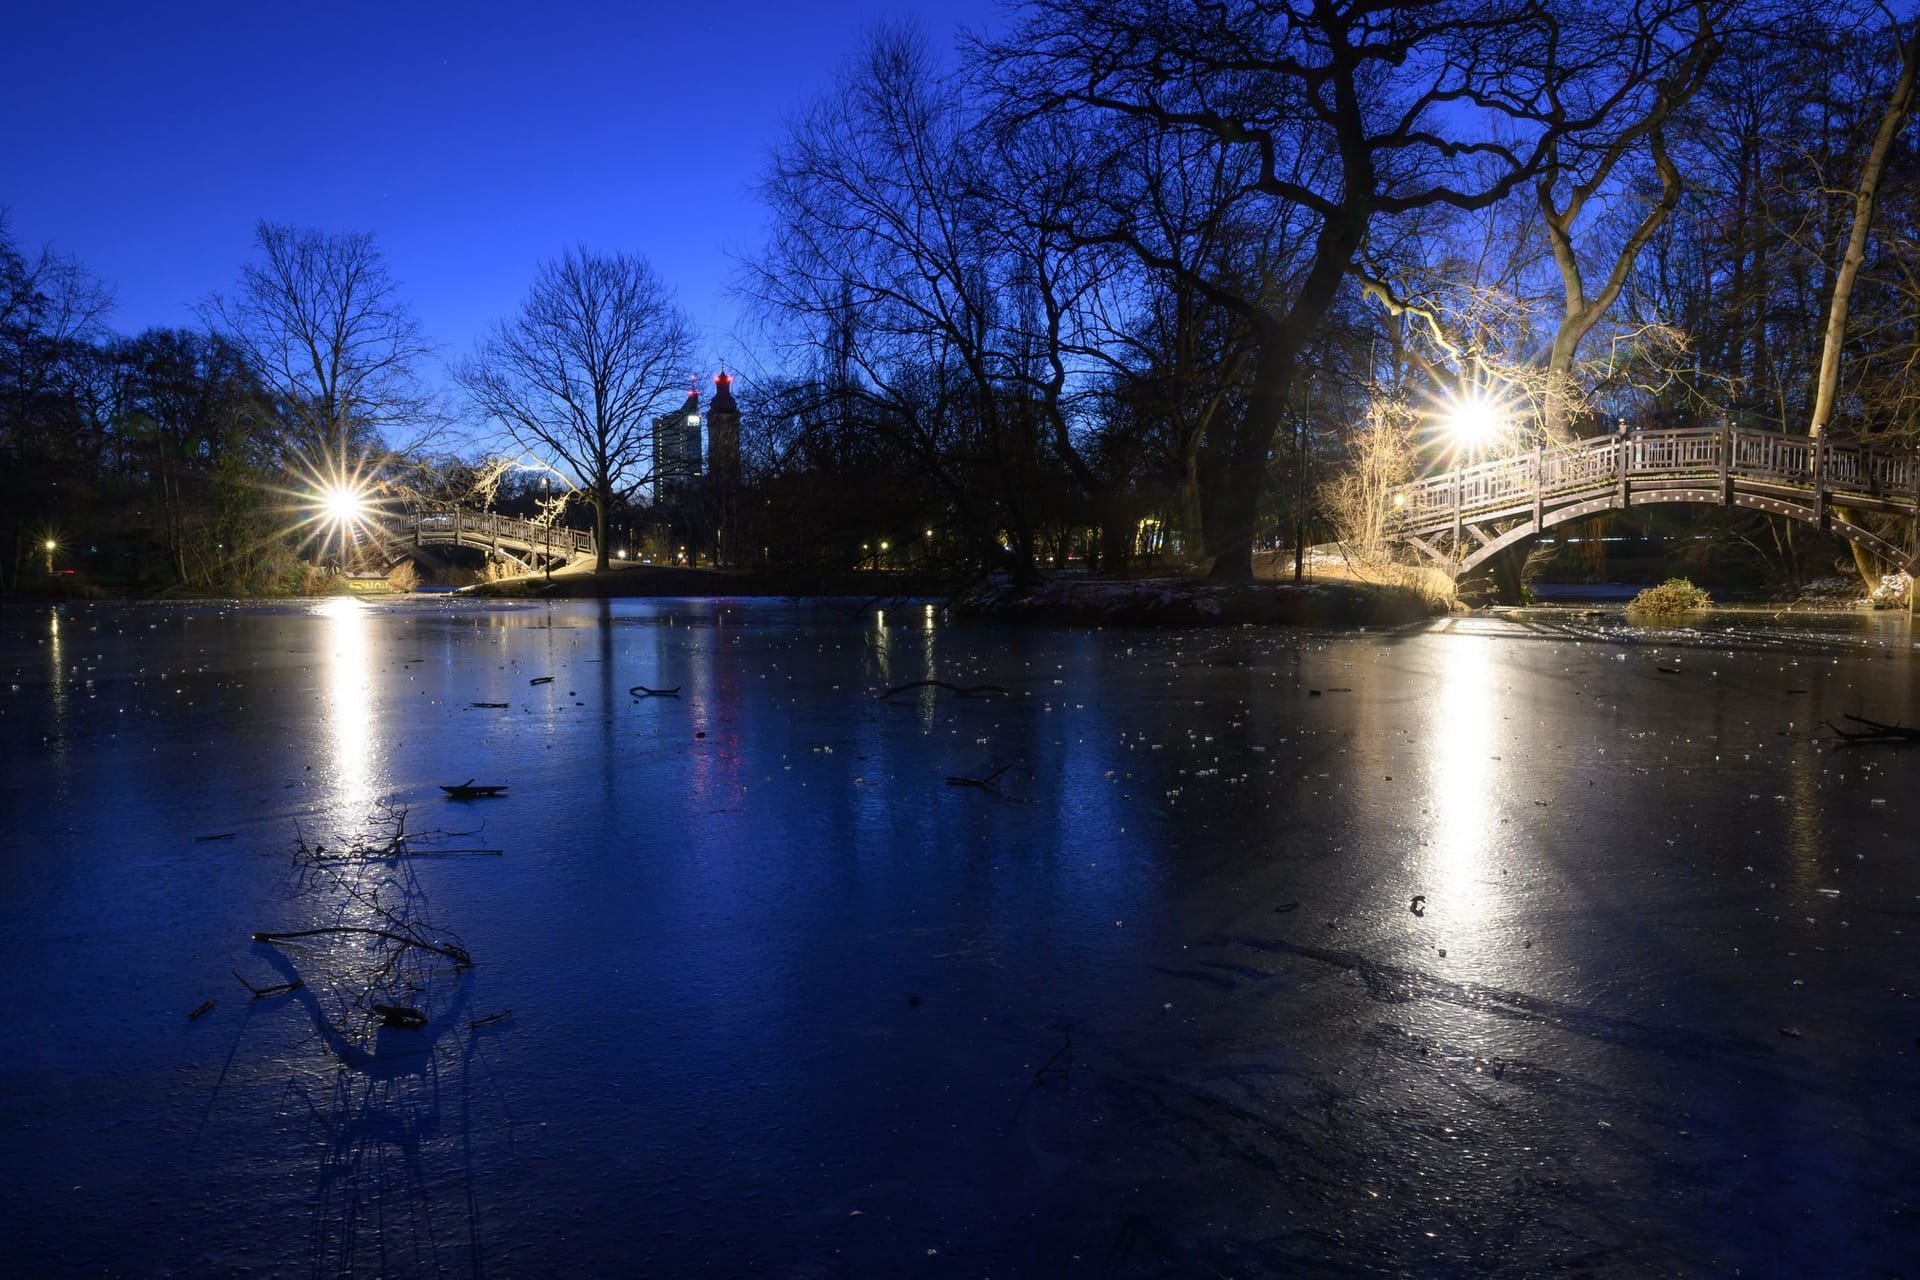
x,y
1352,113
52,313
886,255
1865,196
321,323
580,371
1674,46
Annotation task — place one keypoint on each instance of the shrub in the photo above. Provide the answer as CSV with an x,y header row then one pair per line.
x,y
403,577
1892,593
1673,597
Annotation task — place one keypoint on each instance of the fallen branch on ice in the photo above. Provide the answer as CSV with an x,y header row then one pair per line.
x,y
985,784
454,953
1875,731
957,690
279,988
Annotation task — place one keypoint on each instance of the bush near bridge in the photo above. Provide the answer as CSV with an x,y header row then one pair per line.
x,y
1671,598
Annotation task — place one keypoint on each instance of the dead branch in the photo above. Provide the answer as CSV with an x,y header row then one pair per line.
x,y
986,783
641,691
403,1016
202,1009
1898,735
391,855
958,691
279,988
490,1019
454,953
1048,1070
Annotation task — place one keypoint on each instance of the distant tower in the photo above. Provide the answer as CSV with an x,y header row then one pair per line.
x,y
676,448
723,435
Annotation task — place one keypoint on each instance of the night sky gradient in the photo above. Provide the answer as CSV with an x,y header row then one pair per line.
x,y
473,140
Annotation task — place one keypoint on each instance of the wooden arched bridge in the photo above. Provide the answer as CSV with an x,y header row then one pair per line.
x,y
526,543
1465,517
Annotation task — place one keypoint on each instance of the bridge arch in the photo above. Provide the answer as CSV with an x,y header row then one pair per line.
x,y
1463,518
526,544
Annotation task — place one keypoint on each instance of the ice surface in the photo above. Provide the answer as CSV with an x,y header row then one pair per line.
x,y
783,1002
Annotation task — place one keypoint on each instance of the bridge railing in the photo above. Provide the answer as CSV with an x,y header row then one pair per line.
x,y
1591,466
1575,468
528,533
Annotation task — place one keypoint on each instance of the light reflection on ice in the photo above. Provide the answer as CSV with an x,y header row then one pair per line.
x,y
349,716
1463,745
57,684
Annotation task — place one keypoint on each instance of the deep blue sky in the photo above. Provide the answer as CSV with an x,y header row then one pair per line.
x,y
473,140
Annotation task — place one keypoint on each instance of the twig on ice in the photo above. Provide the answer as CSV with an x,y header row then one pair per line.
x,y
985,784
1875,731
1048,1070
456,954
958,691
279,988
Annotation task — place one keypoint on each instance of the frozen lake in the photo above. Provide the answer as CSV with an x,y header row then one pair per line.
x,y
1496,946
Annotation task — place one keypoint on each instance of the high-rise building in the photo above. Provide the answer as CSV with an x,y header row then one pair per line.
x,y
723,435
676,448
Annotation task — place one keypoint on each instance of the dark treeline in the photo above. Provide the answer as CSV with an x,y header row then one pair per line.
x,y
1158,276
1141,279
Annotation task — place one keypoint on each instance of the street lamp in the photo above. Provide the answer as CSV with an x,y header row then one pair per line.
x,y
1474,420
50,546
342,505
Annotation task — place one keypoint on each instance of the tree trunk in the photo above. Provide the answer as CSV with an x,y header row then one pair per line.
x,y
1864,201
1116,535
1508,586
602,501
1193,538
1237,502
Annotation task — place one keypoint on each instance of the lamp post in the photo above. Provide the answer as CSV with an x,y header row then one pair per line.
x,y
50,546
546,509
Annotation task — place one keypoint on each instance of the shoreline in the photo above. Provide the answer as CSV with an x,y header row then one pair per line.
x,y
1163,600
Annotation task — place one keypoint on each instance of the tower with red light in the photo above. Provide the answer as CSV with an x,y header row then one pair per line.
x,y
723,435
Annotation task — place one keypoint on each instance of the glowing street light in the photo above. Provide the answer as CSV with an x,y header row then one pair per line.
x,y
50,546
343,504
1475,420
